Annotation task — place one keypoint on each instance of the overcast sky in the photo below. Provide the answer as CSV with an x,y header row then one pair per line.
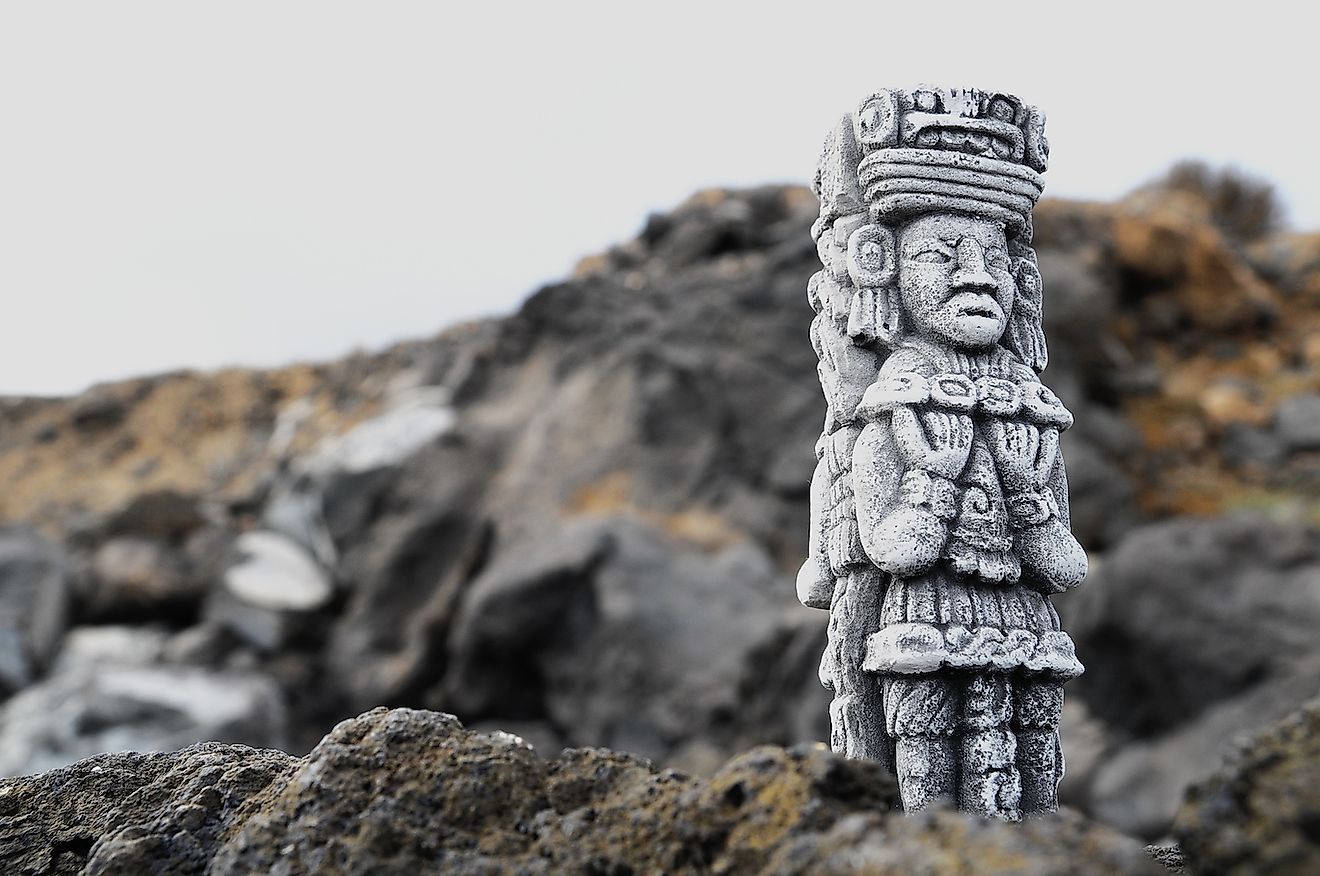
x,y
209,183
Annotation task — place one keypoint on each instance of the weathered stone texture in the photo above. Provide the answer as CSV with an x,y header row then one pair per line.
x,y
407,791
1260,813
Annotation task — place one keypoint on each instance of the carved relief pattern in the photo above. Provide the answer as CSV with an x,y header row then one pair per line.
x,y
940,502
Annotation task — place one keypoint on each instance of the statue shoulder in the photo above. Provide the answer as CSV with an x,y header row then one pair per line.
x,y
904,379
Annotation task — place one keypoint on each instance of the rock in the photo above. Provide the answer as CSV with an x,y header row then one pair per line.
x,y
95,410
404,573
620,638
1297,422
1192,631
34,598
1139,785
108,693
268,593
276,573
1185,613
131,813
165,515
412,419
942,842
133,577
1246,445
517,617
393,791
405,791
1102,505
1170,857
1259,813
1086,744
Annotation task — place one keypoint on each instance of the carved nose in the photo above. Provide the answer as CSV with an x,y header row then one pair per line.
x,y
971,266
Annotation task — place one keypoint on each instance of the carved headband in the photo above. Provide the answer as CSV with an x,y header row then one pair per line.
x,y
904,153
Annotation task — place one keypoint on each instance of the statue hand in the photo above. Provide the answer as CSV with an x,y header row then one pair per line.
x,y
1024,453
938,441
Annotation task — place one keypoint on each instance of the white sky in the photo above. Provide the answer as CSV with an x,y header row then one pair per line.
x,y
233,182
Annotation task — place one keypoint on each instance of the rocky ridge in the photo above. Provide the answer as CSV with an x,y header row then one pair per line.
x,y
580,523
405,791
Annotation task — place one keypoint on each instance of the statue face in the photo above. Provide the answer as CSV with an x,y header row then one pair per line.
x,y
955,279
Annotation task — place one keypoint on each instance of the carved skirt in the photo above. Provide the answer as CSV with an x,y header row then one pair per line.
x,y
937,620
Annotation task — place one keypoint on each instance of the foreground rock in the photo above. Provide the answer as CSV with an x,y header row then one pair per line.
x,y
407,791
1260,814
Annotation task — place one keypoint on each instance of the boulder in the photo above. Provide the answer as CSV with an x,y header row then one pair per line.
x,y
145,814
1184,613
1297,422
268,594
406,791
34,605
1260,813
108,692
133,577
1193,631
1138,786
623,638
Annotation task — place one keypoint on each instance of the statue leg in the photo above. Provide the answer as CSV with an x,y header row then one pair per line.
x,y
990,784
921,714
1039,756
856,714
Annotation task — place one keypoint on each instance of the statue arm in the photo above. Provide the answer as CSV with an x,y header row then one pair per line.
x,y
1052,559
903,465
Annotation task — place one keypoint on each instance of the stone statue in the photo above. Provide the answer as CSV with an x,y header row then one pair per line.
x,y
940,503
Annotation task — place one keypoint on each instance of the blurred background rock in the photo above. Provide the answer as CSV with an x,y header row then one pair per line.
x,y
580,523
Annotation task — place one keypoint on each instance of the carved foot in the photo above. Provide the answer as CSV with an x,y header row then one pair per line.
x,y
991,785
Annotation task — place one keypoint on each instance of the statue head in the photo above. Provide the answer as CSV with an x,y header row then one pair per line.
x,y
946,180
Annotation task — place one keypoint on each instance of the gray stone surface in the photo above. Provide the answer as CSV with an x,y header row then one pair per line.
x,y
621,638
408,791
1257,814
1297,422
270,592
34,605
108,691
1195,631
940,514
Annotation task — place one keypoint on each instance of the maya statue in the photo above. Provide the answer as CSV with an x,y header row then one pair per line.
x,y
940,503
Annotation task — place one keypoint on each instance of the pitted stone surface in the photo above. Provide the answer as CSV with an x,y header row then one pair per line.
x,y
408,791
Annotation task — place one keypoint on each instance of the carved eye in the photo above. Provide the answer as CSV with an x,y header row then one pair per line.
x,y
997,258
932,257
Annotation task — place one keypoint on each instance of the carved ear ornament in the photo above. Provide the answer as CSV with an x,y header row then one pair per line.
x,y
872,256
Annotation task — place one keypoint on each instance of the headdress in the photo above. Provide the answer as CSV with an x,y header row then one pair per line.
x,y
905,153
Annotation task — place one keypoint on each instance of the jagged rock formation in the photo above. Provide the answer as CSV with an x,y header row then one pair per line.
x,y
1260,813
405,791
581,523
